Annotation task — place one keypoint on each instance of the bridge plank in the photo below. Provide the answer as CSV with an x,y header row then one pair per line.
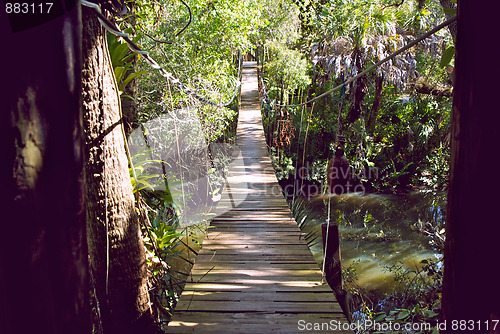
x,y
269,306
252,322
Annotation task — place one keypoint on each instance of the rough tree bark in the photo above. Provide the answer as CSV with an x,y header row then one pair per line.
x,y
116,249
470,289
452,27
43,250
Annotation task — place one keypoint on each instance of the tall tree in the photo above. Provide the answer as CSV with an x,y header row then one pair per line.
x,y
43,249
116,250
447,5
471,290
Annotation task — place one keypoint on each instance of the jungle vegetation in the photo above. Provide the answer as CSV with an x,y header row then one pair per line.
x,y
396,120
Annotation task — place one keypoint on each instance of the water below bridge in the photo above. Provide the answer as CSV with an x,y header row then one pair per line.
x,y
378,231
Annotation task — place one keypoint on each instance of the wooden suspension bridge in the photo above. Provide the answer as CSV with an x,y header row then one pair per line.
x,y
254,273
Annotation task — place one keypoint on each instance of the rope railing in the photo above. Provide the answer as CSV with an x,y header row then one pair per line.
x,y
112,28
377,64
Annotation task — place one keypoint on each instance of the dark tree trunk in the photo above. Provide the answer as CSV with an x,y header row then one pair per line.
x,y
471,289
370,124
43,249
360,89
116,250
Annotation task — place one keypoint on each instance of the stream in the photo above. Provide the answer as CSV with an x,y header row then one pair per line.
x,y
376,231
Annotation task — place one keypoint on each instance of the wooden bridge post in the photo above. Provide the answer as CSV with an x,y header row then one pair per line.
x,y
472,231
43,245
333,270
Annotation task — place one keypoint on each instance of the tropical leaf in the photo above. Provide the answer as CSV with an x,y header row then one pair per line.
x,y
450,11
447,56
117,55
119,72
131,77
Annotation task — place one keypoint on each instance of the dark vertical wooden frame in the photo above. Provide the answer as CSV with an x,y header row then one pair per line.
x,y
43,249
471,290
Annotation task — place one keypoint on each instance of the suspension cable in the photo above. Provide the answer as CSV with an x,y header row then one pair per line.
x,y
112,28
374,66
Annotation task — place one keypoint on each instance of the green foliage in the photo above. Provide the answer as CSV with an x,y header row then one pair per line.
x,y
438,166
162,240
450,11
145,171
349,273
162,237
287,69
407,135
447,56
416,299
284,164
357,20
202,56
122,61
218,124
405,146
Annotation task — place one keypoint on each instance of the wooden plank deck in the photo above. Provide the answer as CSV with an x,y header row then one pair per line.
x,y
254,273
